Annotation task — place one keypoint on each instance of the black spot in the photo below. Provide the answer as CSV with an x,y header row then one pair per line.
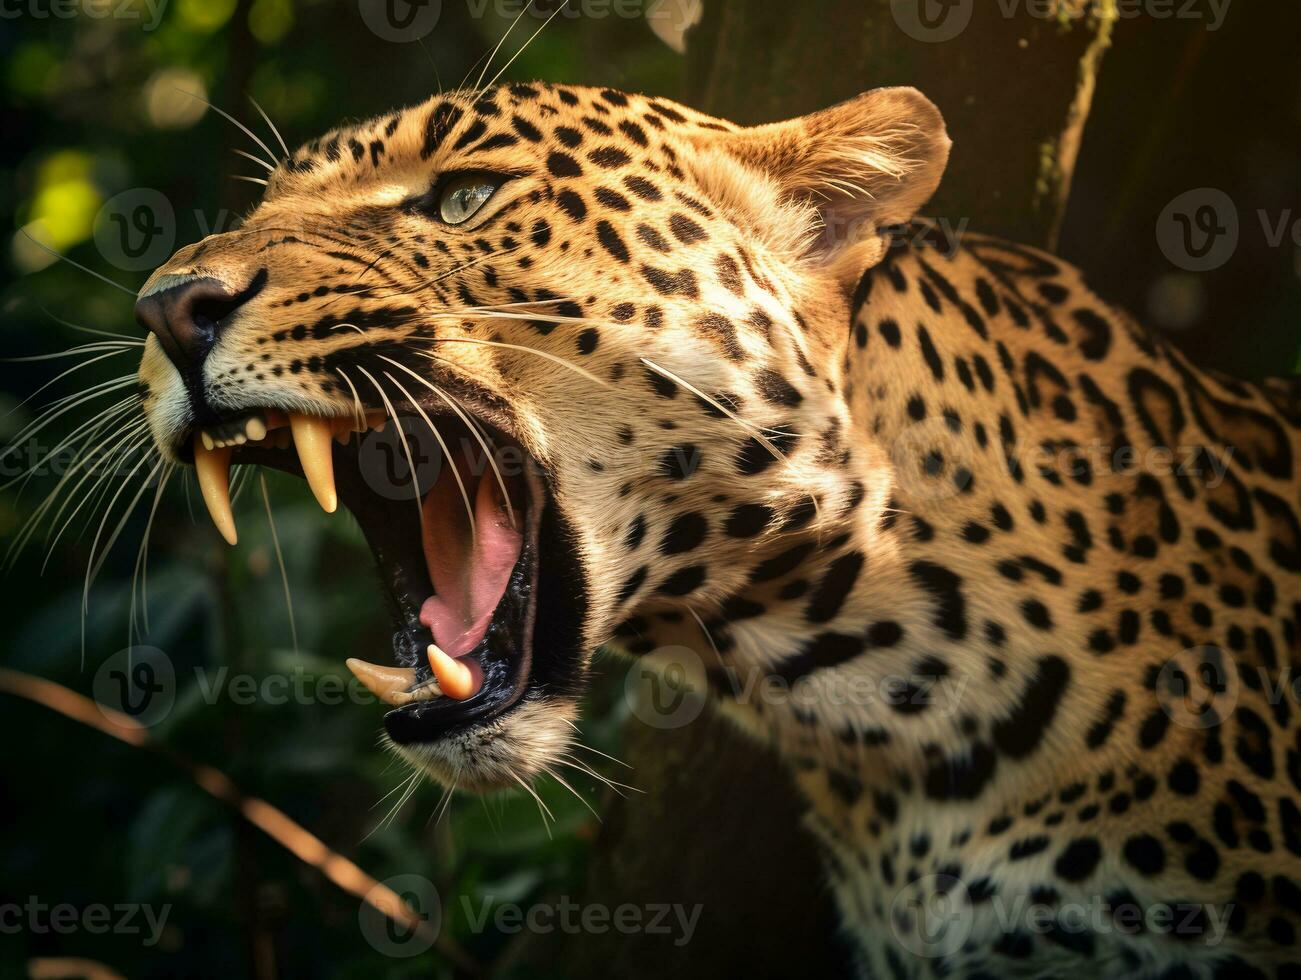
x,y
572,204
754,457
609,157
634,583
1145,853
563,165
824,651
526,129
611,240
834,588
683,581
946,588
748,520
884,634
684,534
1183,778
442,120
1079,859
777,390
1036,614
1153,728
1020,733
782,563
1028,847
1102,728
685,230
642,187
636,532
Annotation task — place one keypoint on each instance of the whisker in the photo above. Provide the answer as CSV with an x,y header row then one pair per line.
x,y
356,401
96,423
478,83
262,112
705,629
520,347
406,448
98,333
227,116
132,436
258,160
571,762
94,348
78,399
93,572
78,265
543,809
501,481
59,377
525,45
447,455
578,796
80,461
280,559
141,571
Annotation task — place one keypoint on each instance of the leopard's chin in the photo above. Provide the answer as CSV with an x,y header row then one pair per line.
x,y
478,571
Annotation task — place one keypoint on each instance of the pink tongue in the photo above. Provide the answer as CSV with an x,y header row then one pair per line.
x,y
469,576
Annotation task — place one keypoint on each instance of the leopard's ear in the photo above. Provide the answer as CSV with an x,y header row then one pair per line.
x,y
850,170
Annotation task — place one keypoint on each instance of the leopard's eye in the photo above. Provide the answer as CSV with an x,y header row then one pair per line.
x,y
464,196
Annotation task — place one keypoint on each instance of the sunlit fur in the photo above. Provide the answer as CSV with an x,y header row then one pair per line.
x,y
332,222
818,454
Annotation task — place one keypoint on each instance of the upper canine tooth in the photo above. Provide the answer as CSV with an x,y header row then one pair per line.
x,y
312,437
389,684
213,469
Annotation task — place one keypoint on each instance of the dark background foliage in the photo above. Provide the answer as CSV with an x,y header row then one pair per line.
x,y
91,111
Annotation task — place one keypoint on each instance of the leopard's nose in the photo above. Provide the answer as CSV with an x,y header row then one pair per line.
x,y
187,316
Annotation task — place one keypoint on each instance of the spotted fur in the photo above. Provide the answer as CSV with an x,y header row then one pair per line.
x,y
882,481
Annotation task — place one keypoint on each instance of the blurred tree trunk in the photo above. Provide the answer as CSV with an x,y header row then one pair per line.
x,y
1015,90
720,824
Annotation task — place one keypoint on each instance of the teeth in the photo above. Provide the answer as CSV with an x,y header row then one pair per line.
x,y
312,437
458,679
213,468
391,684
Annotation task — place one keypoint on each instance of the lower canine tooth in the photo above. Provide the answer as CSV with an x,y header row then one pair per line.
x,y
389,684
456,678
213,469
312,438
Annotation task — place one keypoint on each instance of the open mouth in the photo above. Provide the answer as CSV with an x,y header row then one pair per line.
x,y
458,517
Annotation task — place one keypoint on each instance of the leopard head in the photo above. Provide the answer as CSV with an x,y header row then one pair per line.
x,y
596,337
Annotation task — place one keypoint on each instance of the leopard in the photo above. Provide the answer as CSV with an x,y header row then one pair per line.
x,y
1011,586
